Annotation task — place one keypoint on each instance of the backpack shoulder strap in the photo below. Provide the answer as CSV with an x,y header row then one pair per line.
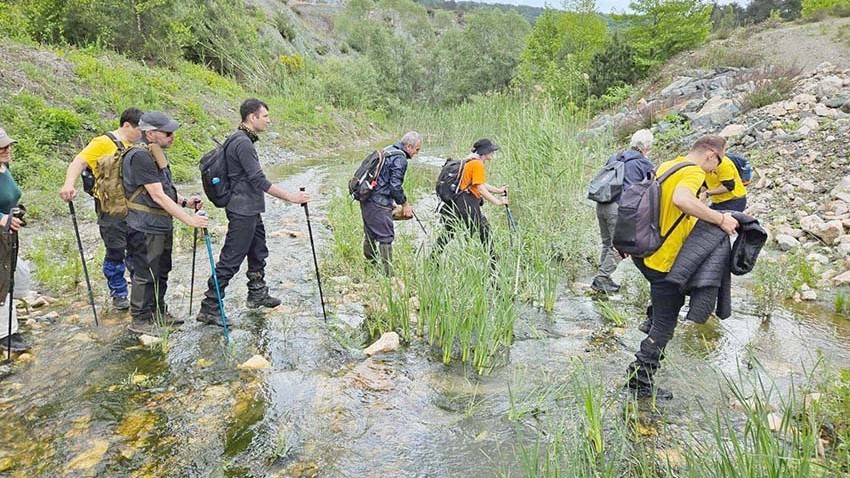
x,y
672,170
115,140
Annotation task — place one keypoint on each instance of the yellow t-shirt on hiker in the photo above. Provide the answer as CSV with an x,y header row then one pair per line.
x,y
97,148
473,175
691,178
726,171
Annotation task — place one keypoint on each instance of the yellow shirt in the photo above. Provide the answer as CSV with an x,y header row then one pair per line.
x,y
691,178
97,148
725,172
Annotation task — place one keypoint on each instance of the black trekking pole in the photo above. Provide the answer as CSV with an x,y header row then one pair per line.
x,y
83,259
512,225
315,261
13,237
420,223
194,254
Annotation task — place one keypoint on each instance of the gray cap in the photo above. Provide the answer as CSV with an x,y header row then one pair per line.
x,y
157,121
5,140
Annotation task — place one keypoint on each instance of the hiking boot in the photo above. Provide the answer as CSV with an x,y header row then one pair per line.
x,y
642,390
168,319
144,327
264,300
120,303
645,325
210,317
604,285
17,345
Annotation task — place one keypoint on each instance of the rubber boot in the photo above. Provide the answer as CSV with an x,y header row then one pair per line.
x,y
369,250
258,292
386,251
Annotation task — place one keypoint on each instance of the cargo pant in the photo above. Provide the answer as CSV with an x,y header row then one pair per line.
x,y
151,256
609,258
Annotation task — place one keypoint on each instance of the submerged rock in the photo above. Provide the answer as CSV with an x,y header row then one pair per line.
x,y
89,458
257,362
387,343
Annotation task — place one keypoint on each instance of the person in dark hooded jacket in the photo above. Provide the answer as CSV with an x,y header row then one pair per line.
x,y
636,167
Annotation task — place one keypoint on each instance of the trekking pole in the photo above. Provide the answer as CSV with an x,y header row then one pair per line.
x,y
315,261
13,236
194,254
512,225
83,260
215,281
420,223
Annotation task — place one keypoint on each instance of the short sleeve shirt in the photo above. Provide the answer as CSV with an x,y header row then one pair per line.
x,y
726,171
97,148
473,175
690,178
139,169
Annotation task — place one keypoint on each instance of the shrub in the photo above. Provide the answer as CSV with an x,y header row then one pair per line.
x,y
614,66
770,85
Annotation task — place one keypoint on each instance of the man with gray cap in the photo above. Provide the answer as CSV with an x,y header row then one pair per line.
x,y
152,201
377,209
636,167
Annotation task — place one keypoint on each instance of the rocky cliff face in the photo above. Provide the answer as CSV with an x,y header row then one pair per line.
x,y
798,147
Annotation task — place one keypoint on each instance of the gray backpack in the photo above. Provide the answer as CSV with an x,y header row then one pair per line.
x,y
638,229
607,185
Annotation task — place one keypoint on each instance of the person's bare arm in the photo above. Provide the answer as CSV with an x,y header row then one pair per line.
x,y
68,191
298,198
685,200
158,195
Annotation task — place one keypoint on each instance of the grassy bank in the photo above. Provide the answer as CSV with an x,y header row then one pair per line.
x,y
454,301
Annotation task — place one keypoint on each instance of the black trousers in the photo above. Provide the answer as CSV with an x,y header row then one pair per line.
x,y
246,238
666,303
151,257
113,232
737,204
465,212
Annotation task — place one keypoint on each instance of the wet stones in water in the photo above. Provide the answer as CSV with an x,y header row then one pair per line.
x,y
256,362
148,340
287,233
372,374
88,459
388,342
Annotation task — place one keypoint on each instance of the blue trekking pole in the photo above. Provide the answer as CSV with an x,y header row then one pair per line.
x,y
215,280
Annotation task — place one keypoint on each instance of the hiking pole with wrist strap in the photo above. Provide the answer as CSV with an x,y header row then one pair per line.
x,y
215,281
13,238
315,261
83,260
512,225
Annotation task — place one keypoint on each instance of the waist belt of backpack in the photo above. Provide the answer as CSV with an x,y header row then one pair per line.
x,y
141,207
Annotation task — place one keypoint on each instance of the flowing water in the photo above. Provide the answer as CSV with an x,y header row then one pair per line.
x,y
95,403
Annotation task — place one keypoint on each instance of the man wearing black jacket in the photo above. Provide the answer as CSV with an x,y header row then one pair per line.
x,y
246,234
377,209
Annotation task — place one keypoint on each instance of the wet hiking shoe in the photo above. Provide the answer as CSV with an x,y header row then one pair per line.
x,y
209,317
18,344
263,301
645,325
649,391
144,327
168,319
605,285
121,303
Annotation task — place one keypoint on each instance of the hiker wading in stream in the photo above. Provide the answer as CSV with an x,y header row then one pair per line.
x,y
246,234
465,209
377,209
147,180
678,199
10,194
636,167
113,229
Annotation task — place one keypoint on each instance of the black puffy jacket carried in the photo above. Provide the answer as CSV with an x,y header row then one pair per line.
x,y
703,267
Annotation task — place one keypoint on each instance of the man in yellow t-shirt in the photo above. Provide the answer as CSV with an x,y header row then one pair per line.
x,y
466,208
113,230
725,188
678,200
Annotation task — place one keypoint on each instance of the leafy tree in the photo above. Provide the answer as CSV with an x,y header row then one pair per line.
x,y
662,28
614,66
811,7
759,10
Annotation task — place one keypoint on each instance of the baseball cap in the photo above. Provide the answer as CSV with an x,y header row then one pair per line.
x,y
157,121
5,140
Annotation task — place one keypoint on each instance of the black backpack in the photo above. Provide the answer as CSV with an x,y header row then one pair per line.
x,y
365,179
448,181
88,174
214,177
638,228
